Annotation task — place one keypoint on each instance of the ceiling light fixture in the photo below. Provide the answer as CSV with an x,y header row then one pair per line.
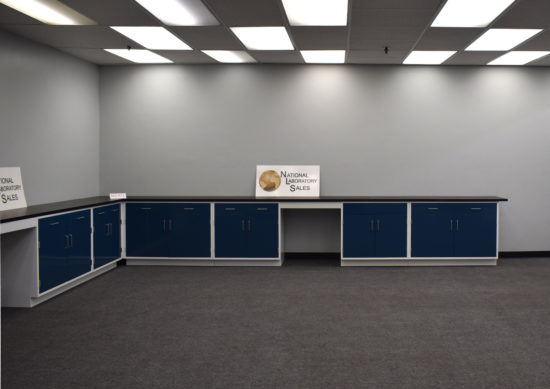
x,y
501,39
229,56
427,57
263,38
518,57
139,56
470,13
154,38
316,12
49,12
324,56
180,12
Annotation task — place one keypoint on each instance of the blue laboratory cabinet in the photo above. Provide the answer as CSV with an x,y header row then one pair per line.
x,y
106,234
247,230
374,230
166,230
454,230
64,249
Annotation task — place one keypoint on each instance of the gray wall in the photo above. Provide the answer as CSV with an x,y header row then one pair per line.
x,y
201,130
49,120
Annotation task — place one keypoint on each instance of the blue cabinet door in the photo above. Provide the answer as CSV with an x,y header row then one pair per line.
x,y
195,230
54,244
475,230
106,235
375,230
359,231
230,230
391,230
188,230
263,230
431,230
79,260
144,229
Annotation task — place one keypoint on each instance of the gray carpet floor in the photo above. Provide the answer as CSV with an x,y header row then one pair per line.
x,y
301,326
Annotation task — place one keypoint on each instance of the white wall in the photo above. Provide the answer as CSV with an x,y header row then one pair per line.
x,y
200,130
49,120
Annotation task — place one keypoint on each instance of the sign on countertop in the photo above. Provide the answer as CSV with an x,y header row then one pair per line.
x,y
12,195
288,181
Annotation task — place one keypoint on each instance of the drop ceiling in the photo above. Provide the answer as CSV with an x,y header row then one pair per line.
x,y
400,25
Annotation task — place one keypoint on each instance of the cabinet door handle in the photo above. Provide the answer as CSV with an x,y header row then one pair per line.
x,y
229,209
100,213
261,209
475,209
242,226
248,225
191,209
114,210
451,224
70,240
163,225
107,232
110,229
54,224
372,225
81,217
67,241
146,208
433,209
377,225
457,224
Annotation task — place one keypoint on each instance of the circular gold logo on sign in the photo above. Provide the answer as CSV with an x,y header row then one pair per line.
x,y
270,180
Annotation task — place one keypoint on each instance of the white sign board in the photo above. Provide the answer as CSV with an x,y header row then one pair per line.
x,y
117,196
287,181
12,195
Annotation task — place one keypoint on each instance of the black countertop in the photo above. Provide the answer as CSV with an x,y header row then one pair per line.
x,y
63,206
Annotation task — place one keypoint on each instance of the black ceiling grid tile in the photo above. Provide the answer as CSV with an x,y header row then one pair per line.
x,y
525,14
247,13
473,57
276,56
84,37
11,16
96,56
208,37
320,38
442,38
540,42
186,56
114,13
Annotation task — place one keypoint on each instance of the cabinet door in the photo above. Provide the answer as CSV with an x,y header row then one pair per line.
x,y
391,230
54,245
432,234
143,229
263,230
195,230
475,230
106,235
359,231
230,230
79,260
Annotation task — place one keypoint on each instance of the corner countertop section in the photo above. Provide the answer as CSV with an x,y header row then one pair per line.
x,y
64,206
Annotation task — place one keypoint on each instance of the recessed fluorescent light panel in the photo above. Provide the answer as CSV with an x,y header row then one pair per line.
x,y
139,56
427,57
263,38
154,38
501,39
229,56
518,57
316,12
49,12
180,12
470,13
324,56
